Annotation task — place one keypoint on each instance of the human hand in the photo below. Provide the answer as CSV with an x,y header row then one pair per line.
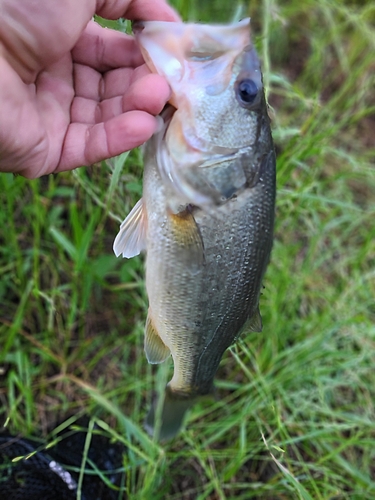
x,y
71,92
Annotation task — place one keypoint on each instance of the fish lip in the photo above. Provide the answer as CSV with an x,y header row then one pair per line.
x,y
137,26
167,115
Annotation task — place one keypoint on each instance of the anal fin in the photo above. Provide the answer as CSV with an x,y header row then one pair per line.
x,y
131,238
155,349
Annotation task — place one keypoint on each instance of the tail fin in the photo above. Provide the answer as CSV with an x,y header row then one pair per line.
x,y
167,422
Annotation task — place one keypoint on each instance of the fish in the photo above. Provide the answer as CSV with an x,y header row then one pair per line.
x,y
206,216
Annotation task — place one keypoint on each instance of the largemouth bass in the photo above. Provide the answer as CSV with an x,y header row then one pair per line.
x,y
207,212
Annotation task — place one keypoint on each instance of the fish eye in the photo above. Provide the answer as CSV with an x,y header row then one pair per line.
x,y
247,91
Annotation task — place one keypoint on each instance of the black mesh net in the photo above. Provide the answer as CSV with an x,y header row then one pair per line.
x,y
53,474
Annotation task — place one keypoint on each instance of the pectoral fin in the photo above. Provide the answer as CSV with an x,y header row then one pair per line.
x,y
186,233
155,349
254,323
131,238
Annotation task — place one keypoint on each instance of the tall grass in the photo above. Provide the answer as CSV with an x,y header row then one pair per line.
x,y
295,412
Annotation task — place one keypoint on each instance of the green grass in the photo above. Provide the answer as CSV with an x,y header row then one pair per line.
x,y
295,410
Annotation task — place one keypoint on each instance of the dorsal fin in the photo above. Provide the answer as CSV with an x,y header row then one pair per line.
x,y
131,238
155,349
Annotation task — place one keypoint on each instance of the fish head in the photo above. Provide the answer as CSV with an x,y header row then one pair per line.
x,y
217,106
